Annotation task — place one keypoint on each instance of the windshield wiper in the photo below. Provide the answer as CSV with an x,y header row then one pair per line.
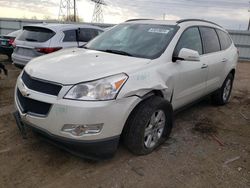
x,y
118,52
32,40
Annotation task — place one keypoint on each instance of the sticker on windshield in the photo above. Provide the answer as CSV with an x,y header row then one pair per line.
x,y
158,30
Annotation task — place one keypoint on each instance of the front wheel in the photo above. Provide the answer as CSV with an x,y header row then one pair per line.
x,y
222,96
148,126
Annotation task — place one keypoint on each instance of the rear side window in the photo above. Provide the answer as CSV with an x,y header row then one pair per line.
x,y
69,36
225,40
190,39
87,34
36,34
210,40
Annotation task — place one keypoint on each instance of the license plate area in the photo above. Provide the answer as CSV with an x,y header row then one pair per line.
x,y
3,43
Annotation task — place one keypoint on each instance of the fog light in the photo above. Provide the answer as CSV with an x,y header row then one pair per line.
x,y
79,130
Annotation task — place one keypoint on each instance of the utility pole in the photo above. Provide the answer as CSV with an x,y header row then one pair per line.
x,y
249,25
74,10
249,18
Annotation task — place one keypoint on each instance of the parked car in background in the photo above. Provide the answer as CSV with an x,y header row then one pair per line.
x,y
6,43
125,84
40,39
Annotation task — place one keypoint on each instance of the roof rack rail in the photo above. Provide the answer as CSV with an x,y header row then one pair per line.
x,y
137,19
199,20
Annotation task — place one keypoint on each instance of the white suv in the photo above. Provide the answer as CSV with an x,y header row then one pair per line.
x,y
41,39
126,83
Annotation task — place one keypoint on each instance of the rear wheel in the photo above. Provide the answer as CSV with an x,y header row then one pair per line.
x,y
148,126
222,96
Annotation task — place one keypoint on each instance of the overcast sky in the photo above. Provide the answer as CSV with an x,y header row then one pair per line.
x,y
232,14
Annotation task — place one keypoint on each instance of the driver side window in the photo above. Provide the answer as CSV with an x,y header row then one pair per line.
x,y
189,39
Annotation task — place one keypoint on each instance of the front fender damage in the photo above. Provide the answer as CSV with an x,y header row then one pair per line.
x,y
145,83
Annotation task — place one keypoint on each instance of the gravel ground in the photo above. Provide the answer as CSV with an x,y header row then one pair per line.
x,y
209,147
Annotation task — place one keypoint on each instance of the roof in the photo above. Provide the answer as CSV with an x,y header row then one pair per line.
x,y
60,26
149,21
176,22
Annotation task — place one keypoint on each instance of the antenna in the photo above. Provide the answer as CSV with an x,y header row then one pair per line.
x,y
67,10
98,13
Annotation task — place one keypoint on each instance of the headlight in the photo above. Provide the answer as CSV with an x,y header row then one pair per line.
x,y
102,89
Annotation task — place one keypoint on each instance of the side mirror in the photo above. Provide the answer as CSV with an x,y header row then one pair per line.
x,y
188,55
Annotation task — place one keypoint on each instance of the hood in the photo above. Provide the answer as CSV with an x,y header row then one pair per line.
x,y
76,65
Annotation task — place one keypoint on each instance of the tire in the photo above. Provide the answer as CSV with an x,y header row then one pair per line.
x,y
221,97
142,118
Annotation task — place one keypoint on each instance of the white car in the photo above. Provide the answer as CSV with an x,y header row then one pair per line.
x,y
41,39
125,84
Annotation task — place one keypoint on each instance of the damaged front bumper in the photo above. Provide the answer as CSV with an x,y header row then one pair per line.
x,y
94,150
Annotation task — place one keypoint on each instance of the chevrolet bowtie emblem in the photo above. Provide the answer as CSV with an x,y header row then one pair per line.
x,y
24,90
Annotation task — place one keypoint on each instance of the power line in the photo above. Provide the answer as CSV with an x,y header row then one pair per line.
x,y
98,12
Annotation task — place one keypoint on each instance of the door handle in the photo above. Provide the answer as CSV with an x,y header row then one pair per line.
x,y
204,66
224,60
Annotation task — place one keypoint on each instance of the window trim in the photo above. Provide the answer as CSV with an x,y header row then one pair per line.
x,y
64,35
92,30
159,54
203,50
75,29
202,46
227,36
217,38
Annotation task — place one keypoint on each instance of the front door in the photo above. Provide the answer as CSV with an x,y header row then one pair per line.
x,y
192,75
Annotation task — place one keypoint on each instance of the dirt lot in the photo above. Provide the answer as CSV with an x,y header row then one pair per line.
x,y
209,147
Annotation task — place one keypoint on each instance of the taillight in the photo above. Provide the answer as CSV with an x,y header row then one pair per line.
x,y
48,50
11,41
14,44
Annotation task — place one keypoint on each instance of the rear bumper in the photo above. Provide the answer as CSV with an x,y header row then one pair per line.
x,y
94,150
19,61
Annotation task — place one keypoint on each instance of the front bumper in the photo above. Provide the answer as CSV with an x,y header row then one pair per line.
x,y
111,114
94,150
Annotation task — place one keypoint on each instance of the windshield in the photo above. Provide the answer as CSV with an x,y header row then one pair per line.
x,y
137,40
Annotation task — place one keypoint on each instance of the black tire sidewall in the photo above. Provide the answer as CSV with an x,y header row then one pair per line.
x,y
139,120
231,78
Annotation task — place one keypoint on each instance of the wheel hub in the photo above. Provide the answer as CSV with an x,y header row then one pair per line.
x,y
227,89
154,129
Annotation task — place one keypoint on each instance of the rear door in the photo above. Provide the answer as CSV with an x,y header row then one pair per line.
x,y
228,52
31,39
213,57
191,78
